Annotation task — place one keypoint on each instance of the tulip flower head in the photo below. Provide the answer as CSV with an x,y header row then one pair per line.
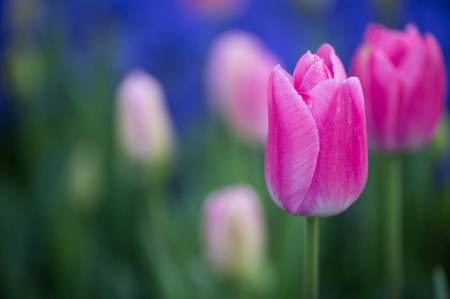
x,y
145,130
236,81
234,231
403,78
316,154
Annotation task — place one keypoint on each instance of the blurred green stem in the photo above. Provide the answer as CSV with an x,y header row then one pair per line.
x,y
440,284
393,252
311,275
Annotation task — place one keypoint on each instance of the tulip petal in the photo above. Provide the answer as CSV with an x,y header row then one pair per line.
x,y
411,31
292,145
437,61
382,102
303,65
318,72
393,43
423,77
234,229
341,171
381,36
360,67
332,61
373,33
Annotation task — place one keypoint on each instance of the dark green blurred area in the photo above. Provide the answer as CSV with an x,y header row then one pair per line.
x,y
77,220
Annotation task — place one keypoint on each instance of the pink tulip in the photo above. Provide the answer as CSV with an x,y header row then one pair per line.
x,y
234,231
145,129
316,155
403,78
237,72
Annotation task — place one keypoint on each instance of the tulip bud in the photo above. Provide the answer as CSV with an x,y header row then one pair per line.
x,y
237,72
403,78
144,127
316,154
234,231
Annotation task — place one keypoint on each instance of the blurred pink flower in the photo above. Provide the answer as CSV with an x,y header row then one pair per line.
x,y
234,231
316,155
214,8
403,78
144,127
237,72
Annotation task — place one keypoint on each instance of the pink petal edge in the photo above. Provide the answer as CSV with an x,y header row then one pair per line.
x,y
332,61
341,171
424,94
318,72
292,145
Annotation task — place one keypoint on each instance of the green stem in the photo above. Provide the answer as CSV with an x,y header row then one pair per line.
x,y
393,253
311,275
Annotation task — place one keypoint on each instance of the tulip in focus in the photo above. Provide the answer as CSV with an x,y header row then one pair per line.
x,y
316,154
234,231
402,74
145,130
237,72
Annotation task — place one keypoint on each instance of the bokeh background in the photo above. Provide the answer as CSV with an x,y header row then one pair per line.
x,y
125,233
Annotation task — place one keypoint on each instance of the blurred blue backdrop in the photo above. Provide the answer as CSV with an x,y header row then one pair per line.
x,y
172,43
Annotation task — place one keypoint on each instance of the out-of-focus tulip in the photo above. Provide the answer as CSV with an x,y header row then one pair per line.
x,y
234,231
145,130
403,78
237,73
316,155
215,8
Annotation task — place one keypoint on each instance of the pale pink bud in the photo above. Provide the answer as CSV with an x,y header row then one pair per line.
x,y
145,129
237,72
403,77
316,154
234,231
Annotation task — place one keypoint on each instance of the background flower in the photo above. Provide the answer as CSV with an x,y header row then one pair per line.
x,y
404,82
144,127
238,68
234,231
